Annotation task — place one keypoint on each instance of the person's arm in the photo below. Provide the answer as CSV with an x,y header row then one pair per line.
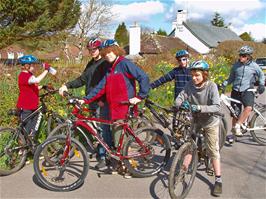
x,y
141,77
214,107
231,77
37,80
80,81
162,80
260,75
182,96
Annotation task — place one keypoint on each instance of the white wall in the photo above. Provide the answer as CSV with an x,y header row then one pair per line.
x,y
134,39
187,37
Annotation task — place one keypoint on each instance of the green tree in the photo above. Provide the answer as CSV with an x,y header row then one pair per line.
x,y
217,20
161,32
246,37
24,19
121,35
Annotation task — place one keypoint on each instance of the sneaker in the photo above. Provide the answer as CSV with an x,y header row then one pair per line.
x,y
230,139
236,130
217,189
100,164
127,175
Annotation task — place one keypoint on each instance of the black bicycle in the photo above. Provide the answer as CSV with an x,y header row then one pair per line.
x,y
15,142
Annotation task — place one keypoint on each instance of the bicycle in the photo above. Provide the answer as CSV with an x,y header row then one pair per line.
x,y
175,121
192,151
144,152
256,125
15,143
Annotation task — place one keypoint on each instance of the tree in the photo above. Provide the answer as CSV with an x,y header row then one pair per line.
x,y
161,32
121,35
94,21
217,20
20,20
246,36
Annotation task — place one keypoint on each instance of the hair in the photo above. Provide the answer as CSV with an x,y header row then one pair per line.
x,y
205,74
118,51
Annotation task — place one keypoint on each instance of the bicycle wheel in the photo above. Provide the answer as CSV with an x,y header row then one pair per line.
x,y
259,121
222,132
13,153
55,175
53,121
180,179
147,165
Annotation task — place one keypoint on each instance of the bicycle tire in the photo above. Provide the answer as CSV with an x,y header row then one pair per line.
x,y
176,174
54,176
13,153
259,135
53,121
151,164
222,132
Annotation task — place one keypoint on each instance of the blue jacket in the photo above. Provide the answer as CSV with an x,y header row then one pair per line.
x,y
119,85
181,76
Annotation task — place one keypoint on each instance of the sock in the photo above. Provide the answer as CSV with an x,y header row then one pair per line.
x,y
218,179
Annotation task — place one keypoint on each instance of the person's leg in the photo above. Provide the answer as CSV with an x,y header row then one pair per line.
x,y
31,122
238,109
212,145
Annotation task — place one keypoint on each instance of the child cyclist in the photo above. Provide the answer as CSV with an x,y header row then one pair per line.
x,y
28,99
202,96
119,84
180,74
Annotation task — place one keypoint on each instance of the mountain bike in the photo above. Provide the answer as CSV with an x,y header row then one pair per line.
x,y
193,154
255,124
175,121
61,162
15,143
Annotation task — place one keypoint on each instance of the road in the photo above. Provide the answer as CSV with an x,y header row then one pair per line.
x,y
243,175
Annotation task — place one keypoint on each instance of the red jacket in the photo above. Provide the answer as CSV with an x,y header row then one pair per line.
x,y
119,85
28,98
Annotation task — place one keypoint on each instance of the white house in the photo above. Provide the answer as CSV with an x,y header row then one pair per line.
x,y
199,36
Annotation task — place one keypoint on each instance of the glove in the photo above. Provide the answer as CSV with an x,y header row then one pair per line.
x,y
261,89
62,89
195,108
185,105
134,100
224,84
46,66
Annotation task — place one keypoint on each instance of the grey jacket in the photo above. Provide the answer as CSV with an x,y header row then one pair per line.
x,y
208,99
244,76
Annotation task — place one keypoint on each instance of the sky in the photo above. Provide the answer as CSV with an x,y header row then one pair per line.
x,y
244,15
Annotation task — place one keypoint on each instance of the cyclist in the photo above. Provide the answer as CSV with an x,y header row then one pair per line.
x,y
90,77
119,84
28,99
202,97
180,73
243,76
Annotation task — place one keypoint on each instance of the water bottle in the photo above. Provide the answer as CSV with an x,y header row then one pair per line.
x,y
52,71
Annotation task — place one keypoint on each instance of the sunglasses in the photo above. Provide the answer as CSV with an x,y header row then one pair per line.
x,y
243,55
183,59
92,49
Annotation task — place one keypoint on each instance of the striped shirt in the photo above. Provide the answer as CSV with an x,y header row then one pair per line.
x,y
181,76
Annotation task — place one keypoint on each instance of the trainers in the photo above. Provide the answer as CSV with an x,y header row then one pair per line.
x,y
127,175
100,164
236,130
230,139
217,189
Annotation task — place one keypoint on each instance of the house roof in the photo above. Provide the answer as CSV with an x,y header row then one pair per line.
x,y
211,35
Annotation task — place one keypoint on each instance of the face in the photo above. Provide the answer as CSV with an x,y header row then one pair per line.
x,y
110,57
94,52
183,61
197,77
244,58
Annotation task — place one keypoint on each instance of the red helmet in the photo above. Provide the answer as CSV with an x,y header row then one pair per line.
x,y
94,43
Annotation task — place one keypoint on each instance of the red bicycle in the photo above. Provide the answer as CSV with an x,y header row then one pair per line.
x,y
61,163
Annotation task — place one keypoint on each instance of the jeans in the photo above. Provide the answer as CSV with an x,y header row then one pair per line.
x,y
106,132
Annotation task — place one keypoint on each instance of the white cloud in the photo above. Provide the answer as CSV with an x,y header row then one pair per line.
x,y
258,30
141,11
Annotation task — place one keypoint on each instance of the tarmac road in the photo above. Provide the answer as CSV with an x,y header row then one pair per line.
x,y
243,175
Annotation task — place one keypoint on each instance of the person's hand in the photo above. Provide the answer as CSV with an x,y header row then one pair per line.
x,y
134,100
62,89
100,103
261,89
46,66
185,105
195,108
81,102
224,84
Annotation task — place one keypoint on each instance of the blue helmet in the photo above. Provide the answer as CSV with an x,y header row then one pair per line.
x,y
108,43
28,59
181,53
199,65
